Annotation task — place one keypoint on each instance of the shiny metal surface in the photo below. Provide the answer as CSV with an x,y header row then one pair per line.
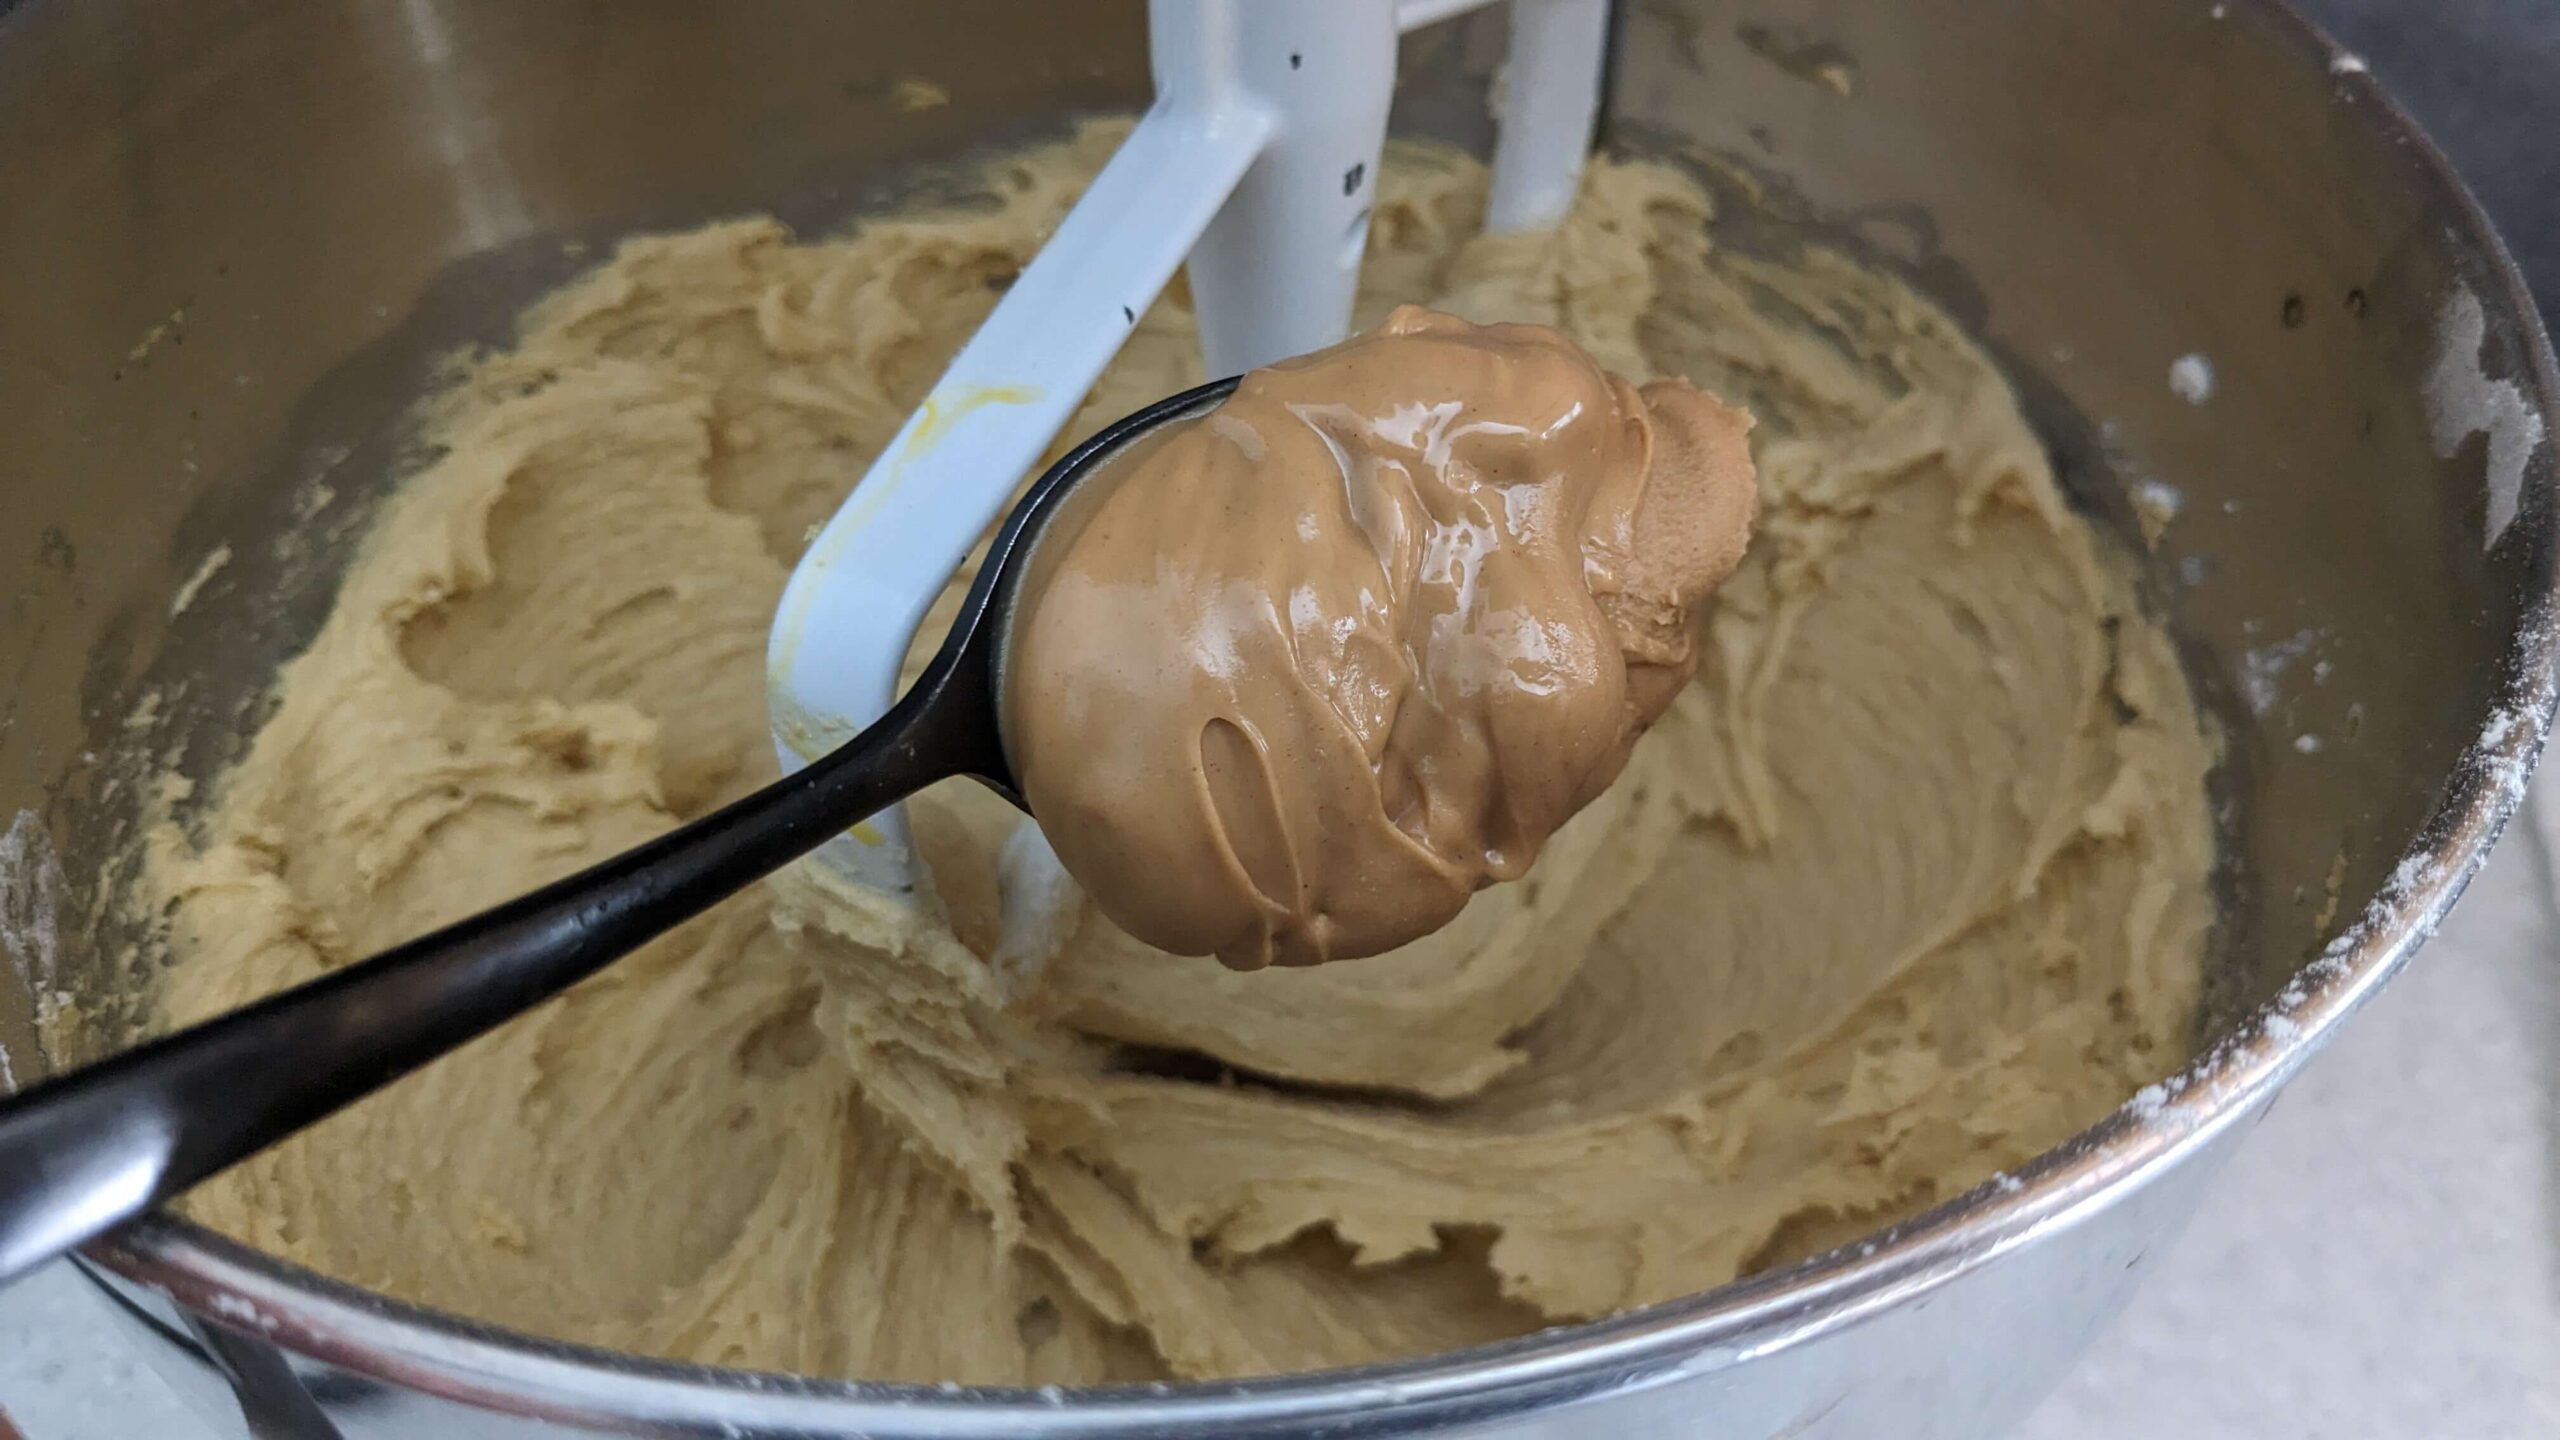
x,y
237,234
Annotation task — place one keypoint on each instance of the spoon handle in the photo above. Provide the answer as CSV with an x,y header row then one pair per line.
x,y
83,1153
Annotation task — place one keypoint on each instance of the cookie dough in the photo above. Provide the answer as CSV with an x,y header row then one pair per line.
x,y
1906,886
1293,680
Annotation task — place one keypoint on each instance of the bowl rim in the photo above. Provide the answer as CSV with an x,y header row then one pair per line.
x,y
514,1373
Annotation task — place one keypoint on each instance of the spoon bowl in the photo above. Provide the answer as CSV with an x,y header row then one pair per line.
x,y
88,1150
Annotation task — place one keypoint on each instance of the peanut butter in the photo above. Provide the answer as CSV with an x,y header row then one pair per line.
x,y
1315,668
1910,884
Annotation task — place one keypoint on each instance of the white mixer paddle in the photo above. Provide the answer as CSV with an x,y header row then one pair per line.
x,y
1258,162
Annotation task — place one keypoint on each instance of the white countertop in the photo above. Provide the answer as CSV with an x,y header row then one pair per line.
x,y
2381,1261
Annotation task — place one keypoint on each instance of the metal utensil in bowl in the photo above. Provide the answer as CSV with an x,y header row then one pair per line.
x,y
336,194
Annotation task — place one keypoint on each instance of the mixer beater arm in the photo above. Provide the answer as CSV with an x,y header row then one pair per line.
x,y
1258,163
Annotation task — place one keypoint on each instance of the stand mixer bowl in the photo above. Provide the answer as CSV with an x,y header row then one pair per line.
x,y
241,236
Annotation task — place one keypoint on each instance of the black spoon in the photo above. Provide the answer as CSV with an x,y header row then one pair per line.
x,y
87,1151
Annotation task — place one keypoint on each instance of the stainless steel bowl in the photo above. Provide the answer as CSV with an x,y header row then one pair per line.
x,y
235,234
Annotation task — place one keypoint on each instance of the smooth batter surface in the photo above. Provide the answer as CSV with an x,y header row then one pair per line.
x,y
1291,681
1908,885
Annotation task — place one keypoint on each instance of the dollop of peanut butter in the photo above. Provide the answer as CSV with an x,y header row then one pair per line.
x,y
1290,683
